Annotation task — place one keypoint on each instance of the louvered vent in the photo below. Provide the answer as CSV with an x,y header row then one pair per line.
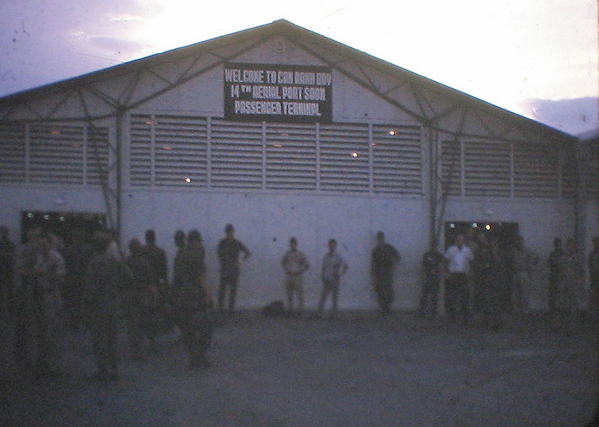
x,y
397,159
344,158
141,150
291,157
536,171
487,169
97,155
56,154
236,153
181,151
12,152
451,171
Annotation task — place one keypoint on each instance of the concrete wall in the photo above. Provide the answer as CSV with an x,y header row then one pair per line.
x,y
265,223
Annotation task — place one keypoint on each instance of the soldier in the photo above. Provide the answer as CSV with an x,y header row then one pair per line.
x,y
593,262
554,262
159,286
49,271
194,300
458,257
295,264
229,250
333,267
384,259
432,262
106,276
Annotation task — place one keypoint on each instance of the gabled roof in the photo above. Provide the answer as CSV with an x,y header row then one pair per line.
x,y
429,102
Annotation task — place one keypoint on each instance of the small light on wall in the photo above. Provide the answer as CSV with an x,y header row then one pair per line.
x,y
355,154
488,226
167,148
188,180
277,145
392,132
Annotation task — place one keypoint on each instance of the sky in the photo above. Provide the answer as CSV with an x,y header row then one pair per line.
x,y
537,58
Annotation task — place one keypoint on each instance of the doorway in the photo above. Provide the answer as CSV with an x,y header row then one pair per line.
x,y
62,224
504,232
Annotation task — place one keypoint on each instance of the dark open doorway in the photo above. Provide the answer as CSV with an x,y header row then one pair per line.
x,y
504,232
62,224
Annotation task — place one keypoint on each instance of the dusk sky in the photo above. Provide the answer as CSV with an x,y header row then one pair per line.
x,y
538,58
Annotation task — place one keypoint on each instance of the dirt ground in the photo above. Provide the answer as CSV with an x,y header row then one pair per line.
x,y
357,370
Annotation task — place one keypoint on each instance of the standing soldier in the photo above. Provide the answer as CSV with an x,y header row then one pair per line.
x,y
384,259
49,270
594,275
571,285
295,264
554,262
106,276
194,300
159,269
458,258
432,262
77,255
229,250
135,299
333,267
523,262
24,307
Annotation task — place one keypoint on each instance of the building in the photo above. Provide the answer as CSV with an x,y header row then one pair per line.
x,y
283,132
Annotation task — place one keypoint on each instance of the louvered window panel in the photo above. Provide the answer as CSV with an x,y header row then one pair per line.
x,y
451,170
97,155
56,154
535,171
397,159
141,150
180,147
236,152
12,152
344,158
291,157
487,169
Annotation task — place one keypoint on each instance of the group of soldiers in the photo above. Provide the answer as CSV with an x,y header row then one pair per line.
x,y
486,280
88,282
93,284
384,259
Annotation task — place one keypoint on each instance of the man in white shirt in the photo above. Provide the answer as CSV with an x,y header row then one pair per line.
x,y
458,257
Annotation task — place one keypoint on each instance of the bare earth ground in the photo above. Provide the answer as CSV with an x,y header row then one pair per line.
x,y
356,370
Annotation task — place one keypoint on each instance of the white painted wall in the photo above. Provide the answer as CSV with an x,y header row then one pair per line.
x,y
265,222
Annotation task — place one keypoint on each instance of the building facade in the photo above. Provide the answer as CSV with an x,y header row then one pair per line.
x,y
283,132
